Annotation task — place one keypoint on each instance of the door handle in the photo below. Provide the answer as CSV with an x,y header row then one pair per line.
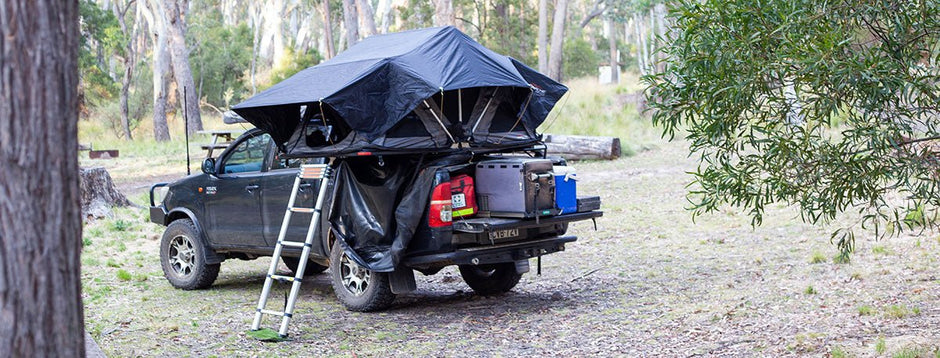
x,y
305,186
251,187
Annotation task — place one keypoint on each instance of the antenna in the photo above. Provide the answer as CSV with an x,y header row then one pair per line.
x,y
186,130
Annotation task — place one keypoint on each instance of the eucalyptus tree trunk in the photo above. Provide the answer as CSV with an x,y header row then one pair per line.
x,y
555,59
612,42
444,13
351,21
385,15
40,219
328,29
543,36
160,66
176,31
130,61
366,18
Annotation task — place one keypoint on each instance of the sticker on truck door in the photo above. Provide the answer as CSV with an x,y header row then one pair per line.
x,y
502,234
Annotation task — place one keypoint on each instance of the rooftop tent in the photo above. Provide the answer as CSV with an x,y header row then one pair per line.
x,y
400,91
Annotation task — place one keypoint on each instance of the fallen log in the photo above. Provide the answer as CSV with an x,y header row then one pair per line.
x,y
576,147
98,194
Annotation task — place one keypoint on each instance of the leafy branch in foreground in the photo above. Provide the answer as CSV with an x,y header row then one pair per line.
x,y
830,106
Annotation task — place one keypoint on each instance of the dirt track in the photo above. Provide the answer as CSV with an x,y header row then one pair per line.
x,y
649,282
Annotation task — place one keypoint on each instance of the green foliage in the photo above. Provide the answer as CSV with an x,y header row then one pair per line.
x,y
221,57
294,62
880,346
817,258
866,310
101,38
579,59
758,87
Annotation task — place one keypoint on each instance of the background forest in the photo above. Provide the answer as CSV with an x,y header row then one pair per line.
x,y
137,56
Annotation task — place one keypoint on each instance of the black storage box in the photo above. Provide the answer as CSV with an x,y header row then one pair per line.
x,y
515,187
589,203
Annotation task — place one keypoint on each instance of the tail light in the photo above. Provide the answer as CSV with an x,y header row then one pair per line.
x,y
441,213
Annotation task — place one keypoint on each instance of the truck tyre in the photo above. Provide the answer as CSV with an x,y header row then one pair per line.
x,y
183,257
312,268
490,279
356,287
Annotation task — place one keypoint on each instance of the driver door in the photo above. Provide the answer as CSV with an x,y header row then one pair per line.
x,y
234,194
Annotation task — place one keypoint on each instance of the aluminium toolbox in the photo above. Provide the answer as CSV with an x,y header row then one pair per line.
x,y
589,203
515,188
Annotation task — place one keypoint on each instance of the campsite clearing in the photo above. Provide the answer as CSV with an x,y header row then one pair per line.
x,y
649,282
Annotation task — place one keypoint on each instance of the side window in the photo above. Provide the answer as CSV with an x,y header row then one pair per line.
x,y
280,162
248,156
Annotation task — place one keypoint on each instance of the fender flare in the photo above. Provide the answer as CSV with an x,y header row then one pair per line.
x,y
211,256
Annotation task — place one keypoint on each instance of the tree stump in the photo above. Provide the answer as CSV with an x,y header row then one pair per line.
x,y
98,193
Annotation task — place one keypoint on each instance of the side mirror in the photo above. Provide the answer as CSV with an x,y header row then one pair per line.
x,y
208,166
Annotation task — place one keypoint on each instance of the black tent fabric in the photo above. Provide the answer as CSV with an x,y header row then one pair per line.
x,y
378,82
377,206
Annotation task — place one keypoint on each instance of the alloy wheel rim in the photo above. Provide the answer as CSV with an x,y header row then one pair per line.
x,y
182,255
355,277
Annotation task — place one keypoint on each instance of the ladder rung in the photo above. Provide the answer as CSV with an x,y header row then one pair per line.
x,y
283,278
276,313
313,173
303,210
293,243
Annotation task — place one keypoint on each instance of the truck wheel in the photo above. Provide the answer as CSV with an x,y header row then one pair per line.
x,y
312,268
183,257
490,279
356,287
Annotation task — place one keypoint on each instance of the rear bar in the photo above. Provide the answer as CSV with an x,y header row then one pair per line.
x,y
483,255
481,225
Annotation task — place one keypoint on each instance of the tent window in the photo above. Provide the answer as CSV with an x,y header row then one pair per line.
x,y
505,118
410,126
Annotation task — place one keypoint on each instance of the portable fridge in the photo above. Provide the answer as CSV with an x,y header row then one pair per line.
x,y
566,188
515,187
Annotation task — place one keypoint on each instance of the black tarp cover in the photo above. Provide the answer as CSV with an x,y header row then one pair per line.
x,y
377,205
374,84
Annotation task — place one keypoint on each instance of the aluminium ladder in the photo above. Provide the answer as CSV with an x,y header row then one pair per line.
x,y
312,171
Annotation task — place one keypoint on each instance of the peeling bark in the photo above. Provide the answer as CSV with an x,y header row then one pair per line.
x,y
555,60
179,54
351,22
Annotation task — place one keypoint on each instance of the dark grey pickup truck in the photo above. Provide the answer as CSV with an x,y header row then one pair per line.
x,y
234,210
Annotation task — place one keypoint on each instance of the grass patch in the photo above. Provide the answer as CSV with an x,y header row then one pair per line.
x,y
841,259
817,258
838,352
866,310
916,352
123,275
810,290
901,311
880,250
112,263
881,346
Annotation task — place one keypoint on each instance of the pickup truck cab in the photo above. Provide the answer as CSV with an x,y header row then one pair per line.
x,y
235,207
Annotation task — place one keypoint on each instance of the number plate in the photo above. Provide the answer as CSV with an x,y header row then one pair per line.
x,y
458,200
502,234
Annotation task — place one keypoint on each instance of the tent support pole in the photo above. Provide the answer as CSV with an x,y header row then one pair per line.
x,y
474,130
440,122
